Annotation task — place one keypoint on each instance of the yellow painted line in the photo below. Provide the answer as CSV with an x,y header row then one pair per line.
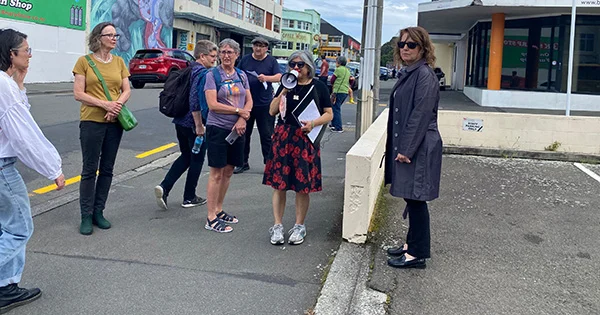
x,y
154,151
383,104
52,187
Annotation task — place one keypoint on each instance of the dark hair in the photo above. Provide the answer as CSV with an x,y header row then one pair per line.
x,y
9,40
94,39
421,37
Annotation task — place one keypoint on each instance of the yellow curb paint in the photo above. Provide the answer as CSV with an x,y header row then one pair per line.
x,y
154,151
52,187
383,104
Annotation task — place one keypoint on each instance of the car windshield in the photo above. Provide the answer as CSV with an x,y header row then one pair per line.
x,y
147,54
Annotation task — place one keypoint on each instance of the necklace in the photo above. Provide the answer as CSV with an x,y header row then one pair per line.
x,y
296,96
228,74
110,58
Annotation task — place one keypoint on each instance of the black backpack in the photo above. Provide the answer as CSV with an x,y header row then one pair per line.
x,y
174,100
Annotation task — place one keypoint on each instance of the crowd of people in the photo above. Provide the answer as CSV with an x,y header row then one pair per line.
x,y
224,103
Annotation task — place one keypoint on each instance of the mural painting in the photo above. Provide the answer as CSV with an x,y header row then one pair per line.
x,y
141,23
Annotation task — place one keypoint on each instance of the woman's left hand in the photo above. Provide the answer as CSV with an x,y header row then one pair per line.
x,y
307,126
240,126
402,159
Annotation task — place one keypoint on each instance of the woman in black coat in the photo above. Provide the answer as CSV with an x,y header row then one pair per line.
x,y
414,146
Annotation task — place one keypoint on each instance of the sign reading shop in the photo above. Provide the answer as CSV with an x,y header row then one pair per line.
x,y
64,13
296,37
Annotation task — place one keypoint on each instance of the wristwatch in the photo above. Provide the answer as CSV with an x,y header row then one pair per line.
x,y
237,110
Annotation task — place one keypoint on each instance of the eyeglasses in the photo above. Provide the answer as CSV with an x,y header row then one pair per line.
x,y
411,45
261,45
28,50
293,64
226,52
111,36
211,56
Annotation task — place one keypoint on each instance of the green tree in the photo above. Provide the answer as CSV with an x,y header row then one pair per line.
x,y
387,52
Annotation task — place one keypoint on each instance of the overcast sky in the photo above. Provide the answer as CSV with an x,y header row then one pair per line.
x,y
346,15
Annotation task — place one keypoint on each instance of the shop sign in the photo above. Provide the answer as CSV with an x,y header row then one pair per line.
x,y
64,13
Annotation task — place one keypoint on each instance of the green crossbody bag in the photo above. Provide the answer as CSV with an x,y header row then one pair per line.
x,y
126,118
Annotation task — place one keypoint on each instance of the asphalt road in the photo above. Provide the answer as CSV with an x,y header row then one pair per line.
x,y
58,116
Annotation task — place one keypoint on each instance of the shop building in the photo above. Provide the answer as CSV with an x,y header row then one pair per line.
x,y
515,53
300,31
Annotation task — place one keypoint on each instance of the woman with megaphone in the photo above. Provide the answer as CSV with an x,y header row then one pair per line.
x,y
304,108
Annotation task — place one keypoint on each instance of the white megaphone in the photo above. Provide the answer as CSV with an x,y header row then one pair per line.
x,y
289,80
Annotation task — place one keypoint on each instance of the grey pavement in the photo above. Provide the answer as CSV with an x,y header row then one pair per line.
x,y
509,236
165,262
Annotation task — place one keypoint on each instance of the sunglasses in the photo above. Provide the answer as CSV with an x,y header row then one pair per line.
x,y
411,45
293,64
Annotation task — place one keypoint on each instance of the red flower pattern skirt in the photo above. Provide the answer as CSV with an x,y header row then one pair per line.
x,y
295,163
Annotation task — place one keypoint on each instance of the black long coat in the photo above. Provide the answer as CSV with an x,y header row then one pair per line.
x,y
413,132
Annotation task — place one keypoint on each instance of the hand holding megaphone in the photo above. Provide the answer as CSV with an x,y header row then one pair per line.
x,y
289,80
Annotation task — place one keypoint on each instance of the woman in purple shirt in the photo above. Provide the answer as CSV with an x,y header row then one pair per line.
x,y
229,102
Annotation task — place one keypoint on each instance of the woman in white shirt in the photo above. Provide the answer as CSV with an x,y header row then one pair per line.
x,y
20,138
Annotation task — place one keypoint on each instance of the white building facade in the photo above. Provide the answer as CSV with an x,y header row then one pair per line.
x,y
515,53
241,20
56,33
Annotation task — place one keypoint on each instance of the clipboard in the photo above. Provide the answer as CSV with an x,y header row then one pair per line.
x,y
308,110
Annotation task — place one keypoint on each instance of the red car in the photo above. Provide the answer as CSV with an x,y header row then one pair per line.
x,y
154,65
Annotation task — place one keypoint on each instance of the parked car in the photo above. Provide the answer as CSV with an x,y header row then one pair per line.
x,y
283,67
354,68
384,73
155,65
441,77
332,66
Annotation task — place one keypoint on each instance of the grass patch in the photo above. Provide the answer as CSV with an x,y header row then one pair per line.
x,y
326,270
553,146
380,214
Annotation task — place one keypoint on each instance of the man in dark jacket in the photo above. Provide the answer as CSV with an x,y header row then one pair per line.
x,y
262,70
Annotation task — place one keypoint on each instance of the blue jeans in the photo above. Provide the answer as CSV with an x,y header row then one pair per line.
x,y
15,222
337,110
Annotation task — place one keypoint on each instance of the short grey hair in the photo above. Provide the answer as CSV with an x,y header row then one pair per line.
x,y
231,43
94,42
204,47
341,60
305,56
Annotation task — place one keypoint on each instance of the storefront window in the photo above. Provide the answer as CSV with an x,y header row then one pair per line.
x,y
535,55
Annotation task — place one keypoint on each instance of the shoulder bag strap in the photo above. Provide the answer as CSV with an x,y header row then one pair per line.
x,y
99,75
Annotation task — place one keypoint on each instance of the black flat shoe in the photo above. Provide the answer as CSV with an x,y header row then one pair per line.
x,y
401,263
396,251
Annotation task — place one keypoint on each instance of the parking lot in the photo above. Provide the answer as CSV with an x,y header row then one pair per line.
x,y
509,236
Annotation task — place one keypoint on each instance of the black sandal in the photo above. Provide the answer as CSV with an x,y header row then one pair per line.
x,y
217,225
231,219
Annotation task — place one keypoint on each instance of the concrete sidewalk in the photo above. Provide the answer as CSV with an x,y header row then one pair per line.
x,y
509,236
165,262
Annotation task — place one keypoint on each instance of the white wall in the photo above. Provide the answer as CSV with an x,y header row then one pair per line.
x,y
526,132
444,54
55,50
535,100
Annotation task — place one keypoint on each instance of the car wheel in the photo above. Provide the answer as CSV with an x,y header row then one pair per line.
x,y
137,84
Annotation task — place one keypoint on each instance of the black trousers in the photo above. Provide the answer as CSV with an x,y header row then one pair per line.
x,y
187,161
266,124
99,146
418,237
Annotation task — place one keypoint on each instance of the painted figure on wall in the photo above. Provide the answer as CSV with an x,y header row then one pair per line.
x,y
141,23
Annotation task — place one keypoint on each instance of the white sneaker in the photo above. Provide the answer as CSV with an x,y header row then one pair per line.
x,y
276,232
297,234
161,198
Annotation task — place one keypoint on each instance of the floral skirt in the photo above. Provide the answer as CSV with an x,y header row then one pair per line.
x,y
295,163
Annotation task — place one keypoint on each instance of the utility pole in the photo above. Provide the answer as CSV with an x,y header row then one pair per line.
x,y
359,98
378,27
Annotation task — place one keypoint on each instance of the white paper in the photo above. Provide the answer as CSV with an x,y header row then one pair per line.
x,y
256,75
311,113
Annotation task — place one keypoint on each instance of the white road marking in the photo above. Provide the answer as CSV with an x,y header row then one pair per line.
x,y
587,171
